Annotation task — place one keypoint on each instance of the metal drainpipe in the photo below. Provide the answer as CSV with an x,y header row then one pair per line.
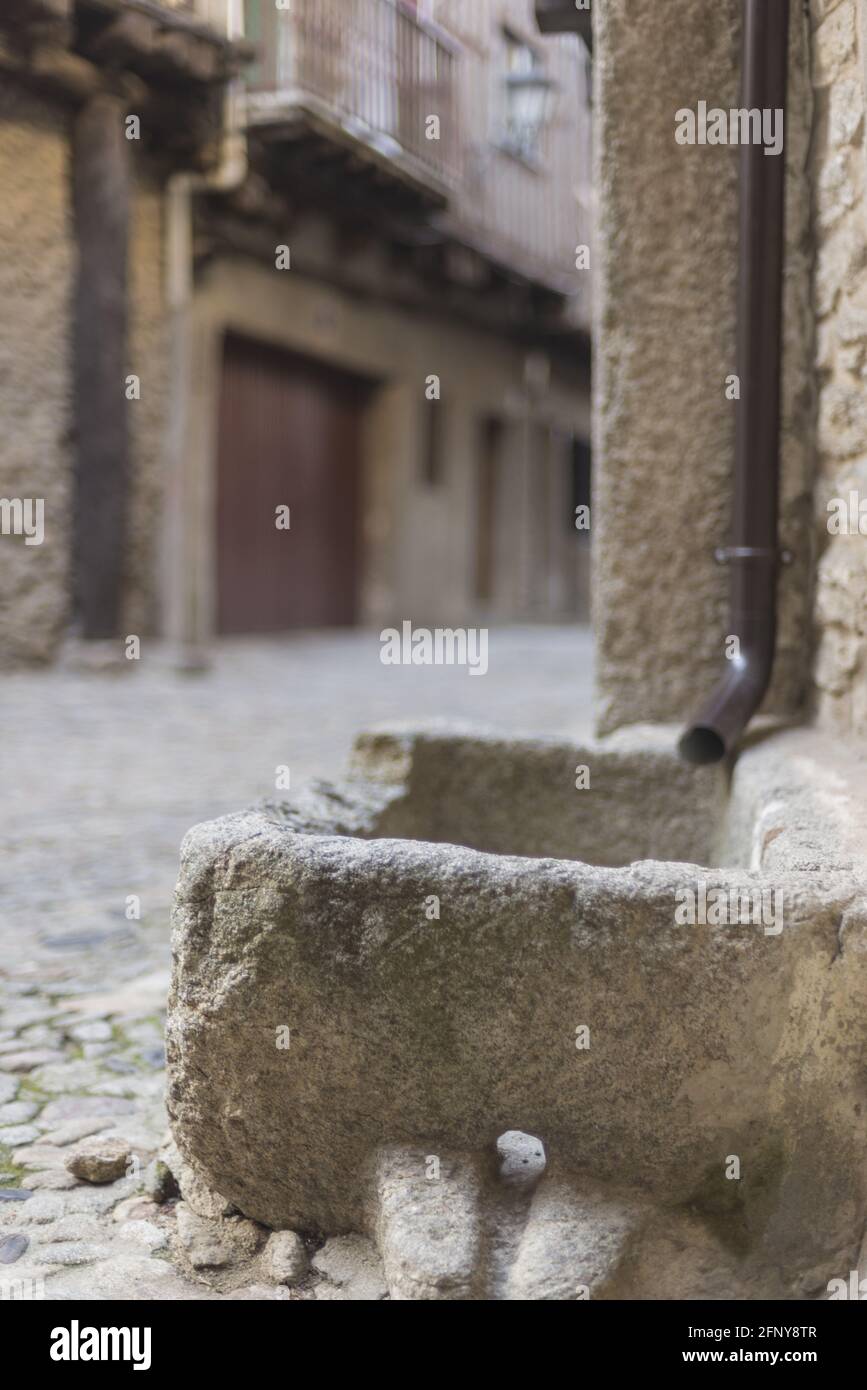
x,y
753,555
230,173
186,619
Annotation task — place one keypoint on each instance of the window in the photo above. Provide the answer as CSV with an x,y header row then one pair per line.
x,y
432,443
527,100
580,466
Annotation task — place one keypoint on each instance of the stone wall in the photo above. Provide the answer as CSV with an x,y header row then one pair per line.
x,y
839,70
36,444
665,342
36,271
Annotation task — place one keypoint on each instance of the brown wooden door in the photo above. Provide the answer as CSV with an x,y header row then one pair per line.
x,y
289,435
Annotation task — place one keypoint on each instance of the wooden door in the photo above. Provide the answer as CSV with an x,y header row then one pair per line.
x,y
289,436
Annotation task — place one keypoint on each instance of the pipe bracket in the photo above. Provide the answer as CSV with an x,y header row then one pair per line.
x,y
726,553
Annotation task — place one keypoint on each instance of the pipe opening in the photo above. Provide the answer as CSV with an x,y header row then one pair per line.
x,y
702,745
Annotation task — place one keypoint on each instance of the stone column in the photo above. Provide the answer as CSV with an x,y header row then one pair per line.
x,y
101,194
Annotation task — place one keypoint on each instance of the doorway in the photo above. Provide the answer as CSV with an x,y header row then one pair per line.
x,y
288,491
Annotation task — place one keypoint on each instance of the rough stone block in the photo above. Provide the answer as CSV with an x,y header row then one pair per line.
x,y
354,1021
285,1258
833,44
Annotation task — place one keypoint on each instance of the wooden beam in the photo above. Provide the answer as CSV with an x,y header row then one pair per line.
x,y
158,50
255,198
36,12
564,17
101,196
63,74
130,36
52,71
504,307
177,55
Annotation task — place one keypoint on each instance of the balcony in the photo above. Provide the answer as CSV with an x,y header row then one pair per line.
x,y
362,74
340,98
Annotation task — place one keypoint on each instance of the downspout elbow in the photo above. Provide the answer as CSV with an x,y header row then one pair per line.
x,y
718,726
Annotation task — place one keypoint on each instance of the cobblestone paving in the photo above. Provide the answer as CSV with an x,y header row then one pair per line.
x,y
103,774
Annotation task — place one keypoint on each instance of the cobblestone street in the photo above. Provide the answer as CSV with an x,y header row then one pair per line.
x,y
103,774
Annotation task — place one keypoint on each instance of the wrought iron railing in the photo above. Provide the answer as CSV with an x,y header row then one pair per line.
x,y
431,104
384,73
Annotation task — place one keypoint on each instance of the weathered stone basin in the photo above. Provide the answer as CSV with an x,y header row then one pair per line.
x,y
376,981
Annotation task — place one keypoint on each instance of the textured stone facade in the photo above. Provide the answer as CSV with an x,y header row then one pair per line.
x,y
664,345
36,447
36,272
840,293
665,341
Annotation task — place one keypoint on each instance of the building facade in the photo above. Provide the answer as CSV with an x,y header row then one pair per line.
x,y
346,309
664,422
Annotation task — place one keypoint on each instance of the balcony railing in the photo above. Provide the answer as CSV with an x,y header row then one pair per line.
x,y
369,65
372,74
210,12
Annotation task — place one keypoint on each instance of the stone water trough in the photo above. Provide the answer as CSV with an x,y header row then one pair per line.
x,y
651,990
